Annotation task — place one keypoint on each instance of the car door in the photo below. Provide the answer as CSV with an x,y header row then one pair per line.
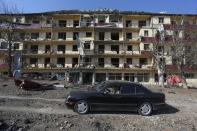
x,y
106,99
128,97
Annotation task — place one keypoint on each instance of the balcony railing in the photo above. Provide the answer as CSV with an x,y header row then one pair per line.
x,y
111,24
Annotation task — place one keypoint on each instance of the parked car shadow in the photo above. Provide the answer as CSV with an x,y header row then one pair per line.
x,y
167,110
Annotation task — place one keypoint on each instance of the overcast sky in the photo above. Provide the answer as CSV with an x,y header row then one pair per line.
x,y
169,6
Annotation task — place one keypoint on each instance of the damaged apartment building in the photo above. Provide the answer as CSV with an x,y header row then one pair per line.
x,y
113,45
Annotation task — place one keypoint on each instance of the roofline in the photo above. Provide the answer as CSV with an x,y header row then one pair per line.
x,y
102,12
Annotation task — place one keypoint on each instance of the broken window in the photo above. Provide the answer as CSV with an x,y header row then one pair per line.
x,y
75,35
128,23
115,62
160,48
74,62
145,32
129,61
129,48
101,35
146,47
16,46
128,36
87,61
47,62
115,76
61,62
76,23
100,77
48,35
33,61
61,48
114,35
161,20
62,35
101,62
143,77
88,34
22,36
87,45
115,48
75,48
62,23
47,49
4,45
142,23
143,61
34,35
48,21
101,19
101,48
129,77
34,49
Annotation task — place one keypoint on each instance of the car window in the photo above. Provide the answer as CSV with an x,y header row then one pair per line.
x,y
127,89
139,90
112,89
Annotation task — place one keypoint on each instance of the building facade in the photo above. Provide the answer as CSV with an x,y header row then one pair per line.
x,y
116,45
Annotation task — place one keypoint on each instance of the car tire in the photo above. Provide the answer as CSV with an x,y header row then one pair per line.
x,y
145,109
81,107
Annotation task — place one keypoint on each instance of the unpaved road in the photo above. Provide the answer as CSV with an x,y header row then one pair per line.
x,y
39,111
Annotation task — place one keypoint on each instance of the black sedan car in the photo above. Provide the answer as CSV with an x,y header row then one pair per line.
x,y
116,96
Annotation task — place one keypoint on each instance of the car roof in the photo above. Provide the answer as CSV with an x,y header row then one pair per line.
x,y
120,82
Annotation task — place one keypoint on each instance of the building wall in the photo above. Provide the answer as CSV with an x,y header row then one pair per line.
x,y
137,44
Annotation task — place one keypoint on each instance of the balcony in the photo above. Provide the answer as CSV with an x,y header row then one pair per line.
x,y
88,52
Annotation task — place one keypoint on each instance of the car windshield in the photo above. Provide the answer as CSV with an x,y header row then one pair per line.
x,y
99,86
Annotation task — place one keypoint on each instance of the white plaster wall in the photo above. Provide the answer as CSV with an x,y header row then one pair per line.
x,y
141,46
68,62
121,38
121,62
135,23
20,46
135,61
69,23
135,48
155,19
42,35
84,38
135,35
55,36
69,49
107,62
107,49
96,36
41,49
69,36
40,62
107,19
54,48
107,36
96,20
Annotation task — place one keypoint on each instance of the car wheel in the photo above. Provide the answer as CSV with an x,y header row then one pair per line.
x,y
145,109
81,107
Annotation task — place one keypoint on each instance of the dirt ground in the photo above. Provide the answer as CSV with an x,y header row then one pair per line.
x,y
45,110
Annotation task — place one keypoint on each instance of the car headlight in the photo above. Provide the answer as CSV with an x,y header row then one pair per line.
x,y
68,97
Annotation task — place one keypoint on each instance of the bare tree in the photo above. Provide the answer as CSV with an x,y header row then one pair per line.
x,y
8,29
184,49
157,50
